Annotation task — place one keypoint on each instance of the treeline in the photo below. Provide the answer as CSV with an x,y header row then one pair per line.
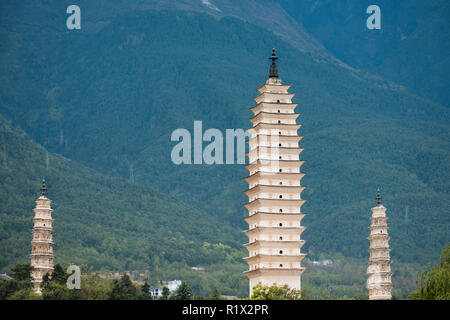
x,y
433,283
92,287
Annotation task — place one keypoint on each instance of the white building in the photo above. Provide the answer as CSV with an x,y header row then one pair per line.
x,y
156,292
172,285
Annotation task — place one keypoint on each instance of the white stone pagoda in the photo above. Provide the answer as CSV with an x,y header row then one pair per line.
x,y
42,244
379,273
274,205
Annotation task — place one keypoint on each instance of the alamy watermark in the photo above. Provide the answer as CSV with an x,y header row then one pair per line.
x,y
74,280
74,20
374,21
190,148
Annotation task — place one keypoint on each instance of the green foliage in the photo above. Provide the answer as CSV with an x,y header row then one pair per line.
x,y
140,229
59,274
19,288
165,294
25,294
434,282
275,292
94,287
215,294
183,292
123,289
22,272
54,286
145,292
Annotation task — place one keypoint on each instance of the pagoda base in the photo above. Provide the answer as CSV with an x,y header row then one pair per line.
x,y
278,276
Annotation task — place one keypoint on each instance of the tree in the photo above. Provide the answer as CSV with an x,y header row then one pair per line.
x,y
45,281
22,272
165,294
8,288
215,294
145,292
434,282
54,290
25,294
275,292
123,289
59,275
95,288
54,286
184,292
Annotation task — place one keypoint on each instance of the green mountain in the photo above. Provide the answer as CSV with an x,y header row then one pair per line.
x,y
109,223
109,96
411,48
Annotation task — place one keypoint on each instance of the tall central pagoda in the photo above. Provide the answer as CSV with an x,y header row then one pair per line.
x,y
42,244
274,205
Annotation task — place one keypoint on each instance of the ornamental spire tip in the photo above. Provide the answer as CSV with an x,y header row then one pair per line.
x,y
378,198
43,188
273,71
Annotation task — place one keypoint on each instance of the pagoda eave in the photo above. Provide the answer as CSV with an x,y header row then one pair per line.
x,y
274,271
274,126
297,244
267,174
280,87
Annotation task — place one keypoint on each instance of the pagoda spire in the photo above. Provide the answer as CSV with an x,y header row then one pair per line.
x,y
273,71
42,243
378,198
43,188
274,193
379,274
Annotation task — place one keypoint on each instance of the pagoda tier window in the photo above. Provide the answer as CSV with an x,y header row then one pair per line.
x,y
281,251
281,224
281,238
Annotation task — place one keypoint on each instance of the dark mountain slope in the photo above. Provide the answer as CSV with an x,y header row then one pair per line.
x,y
412,48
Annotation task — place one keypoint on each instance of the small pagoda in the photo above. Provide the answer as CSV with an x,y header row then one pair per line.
x,y
379,273
42,244
274,205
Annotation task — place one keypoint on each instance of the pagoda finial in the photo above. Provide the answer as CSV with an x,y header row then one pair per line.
x,y
378,198
43,188
273,71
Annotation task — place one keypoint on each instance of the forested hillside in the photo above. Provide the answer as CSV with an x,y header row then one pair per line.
x,y
110,224
110,96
